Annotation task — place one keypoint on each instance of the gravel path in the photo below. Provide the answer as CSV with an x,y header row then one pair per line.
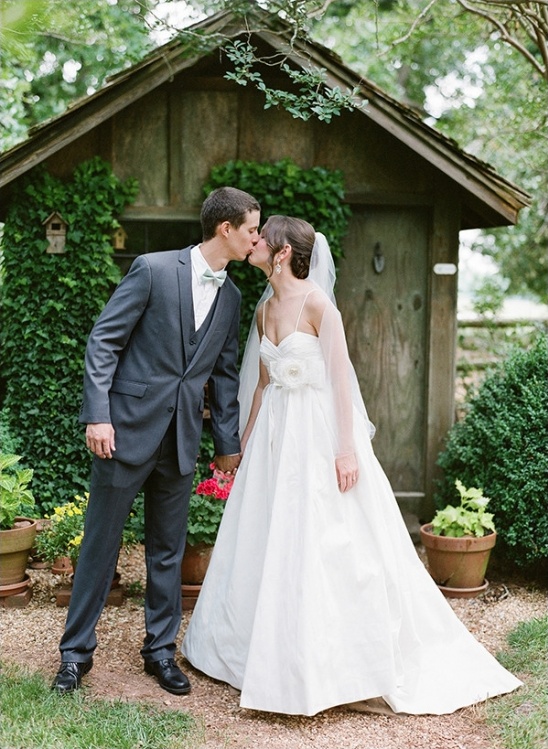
x,y
30,637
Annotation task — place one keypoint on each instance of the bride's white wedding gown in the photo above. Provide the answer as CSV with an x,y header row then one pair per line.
x,y
315,598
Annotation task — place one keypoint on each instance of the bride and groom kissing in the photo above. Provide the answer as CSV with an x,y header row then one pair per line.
x,y
310,506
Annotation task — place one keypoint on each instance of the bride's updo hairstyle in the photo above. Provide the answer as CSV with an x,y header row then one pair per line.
x,y
280,230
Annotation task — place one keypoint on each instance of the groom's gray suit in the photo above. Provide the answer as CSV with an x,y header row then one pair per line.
x,y
146,367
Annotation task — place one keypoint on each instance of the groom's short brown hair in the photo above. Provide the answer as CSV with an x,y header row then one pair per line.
x,y
225,204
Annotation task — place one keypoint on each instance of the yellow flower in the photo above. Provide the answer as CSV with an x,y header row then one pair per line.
x,y
77,540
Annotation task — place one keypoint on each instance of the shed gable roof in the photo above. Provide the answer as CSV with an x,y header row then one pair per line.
x,y
496,201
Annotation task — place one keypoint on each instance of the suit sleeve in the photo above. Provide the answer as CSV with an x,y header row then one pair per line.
x,y
109,337
223,387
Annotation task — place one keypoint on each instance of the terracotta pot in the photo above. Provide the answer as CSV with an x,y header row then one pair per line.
x,y
195,563
62,566
457,563
15,546
15,588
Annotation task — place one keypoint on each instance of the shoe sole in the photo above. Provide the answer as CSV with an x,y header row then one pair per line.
x,y
185,690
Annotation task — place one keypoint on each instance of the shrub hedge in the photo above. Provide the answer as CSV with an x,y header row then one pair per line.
x,y
49,303
500,446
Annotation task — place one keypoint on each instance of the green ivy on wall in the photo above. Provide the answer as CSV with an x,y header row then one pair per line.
x,y
315,194
49,303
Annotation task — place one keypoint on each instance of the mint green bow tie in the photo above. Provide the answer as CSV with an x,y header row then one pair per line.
x,y
218,276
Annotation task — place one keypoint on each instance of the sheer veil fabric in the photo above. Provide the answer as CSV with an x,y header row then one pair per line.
x,y
316,598
322,273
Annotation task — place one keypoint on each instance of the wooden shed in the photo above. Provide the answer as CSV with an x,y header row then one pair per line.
x,y
168,120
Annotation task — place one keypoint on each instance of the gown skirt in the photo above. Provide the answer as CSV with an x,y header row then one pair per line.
x,y
315,598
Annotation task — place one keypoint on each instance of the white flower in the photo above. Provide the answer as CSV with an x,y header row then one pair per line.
x,y
294,373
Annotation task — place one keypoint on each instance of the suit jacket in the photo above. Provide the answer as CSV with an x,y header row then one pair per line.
x,y
141,369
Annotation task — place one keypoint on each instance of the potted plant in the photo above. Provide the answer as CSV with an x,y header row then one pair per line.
x,y
62,536
17,530
60,542
458,544
206,508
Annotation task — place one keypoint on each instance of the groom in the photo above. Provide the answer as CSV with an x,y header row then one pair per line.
x,y
170,327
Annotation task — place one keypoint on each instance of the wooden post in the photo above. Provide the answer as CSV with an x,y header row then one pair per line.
x,y
442,331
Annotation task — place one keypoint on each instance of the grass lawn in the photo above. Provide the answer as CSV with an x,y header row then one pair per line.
x,y
34,717
521,718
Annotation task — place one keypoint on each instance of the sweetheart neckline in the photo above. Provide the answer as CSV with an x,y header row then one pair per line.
x,y
295,332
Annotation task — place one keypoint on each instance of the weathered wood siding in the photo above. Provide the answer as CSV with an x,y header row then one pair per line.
x,y
385,316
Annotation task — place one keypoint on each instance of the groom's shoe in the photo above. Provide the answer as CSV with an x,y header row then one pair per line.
x,y
69,676
169,675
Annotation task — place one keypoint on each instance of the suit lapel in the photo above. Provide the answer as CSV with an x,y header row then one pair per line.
x,y
186,307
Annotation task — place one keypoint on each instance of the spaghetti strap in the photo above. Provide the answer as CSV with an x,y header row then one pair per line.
x,y
302,307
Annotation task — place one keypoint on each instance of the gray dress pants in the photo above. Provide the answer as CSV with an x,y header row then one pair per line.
x,y
113,488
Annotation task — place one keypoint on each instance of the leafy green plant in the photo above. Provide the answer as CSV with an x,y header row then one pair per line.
x,y
467,519
63,535
311,96
48,305
16,499
500,444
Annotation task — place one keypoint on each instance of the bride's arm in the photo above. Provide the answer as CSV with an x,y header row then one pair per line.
x,y
255,404
264,379
338,370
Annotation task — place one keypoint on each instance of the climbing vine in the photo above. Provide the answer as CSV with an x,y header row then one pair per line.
x,y
48,305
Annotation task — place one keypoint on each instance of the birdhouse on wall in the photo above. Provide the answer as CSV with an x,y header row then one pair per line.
x,y
56,233
119,238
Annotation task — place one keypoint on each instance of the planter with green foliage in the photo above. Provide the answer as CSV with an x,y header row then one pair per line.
x,y
458,544
17,532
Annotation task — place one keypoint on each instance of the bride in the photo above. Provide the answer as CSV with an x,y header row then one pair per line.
x,y
315,595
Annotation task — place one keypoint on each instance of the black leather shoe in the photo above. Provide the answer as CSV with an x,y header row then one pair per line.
x,y
169,675
69,676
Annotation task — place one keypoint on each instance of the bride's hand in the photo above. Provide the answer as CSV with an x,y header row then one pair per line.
x,y
347,471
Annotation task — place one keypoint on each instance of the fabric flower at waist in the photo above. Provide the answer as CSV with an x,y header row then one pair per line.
x,y
297,373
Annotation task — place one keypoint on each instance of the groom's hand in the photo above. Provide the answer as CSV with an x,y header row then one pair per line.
x,y
100,440
227,463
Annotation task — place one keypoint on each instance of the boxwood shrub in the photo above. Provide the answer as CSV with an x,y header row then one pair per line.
x,y
500,446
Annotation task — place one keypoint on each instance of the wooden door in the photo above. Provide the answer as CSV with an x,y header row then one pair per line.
x,y
385,316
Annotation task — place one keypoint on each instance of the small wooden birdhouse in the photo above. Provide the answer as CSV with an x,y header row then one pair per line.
x,y
119,238
56,233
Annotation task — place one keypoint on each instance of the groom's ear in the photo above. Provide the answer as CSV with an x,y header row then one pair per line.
x,y
223,229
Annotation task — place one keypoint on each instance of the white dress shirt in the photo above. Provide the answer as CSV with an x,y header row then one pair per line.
x,y
203,292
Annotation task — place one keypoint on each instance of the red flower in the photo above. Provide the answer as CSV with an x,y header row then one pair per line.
x,y
217,487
